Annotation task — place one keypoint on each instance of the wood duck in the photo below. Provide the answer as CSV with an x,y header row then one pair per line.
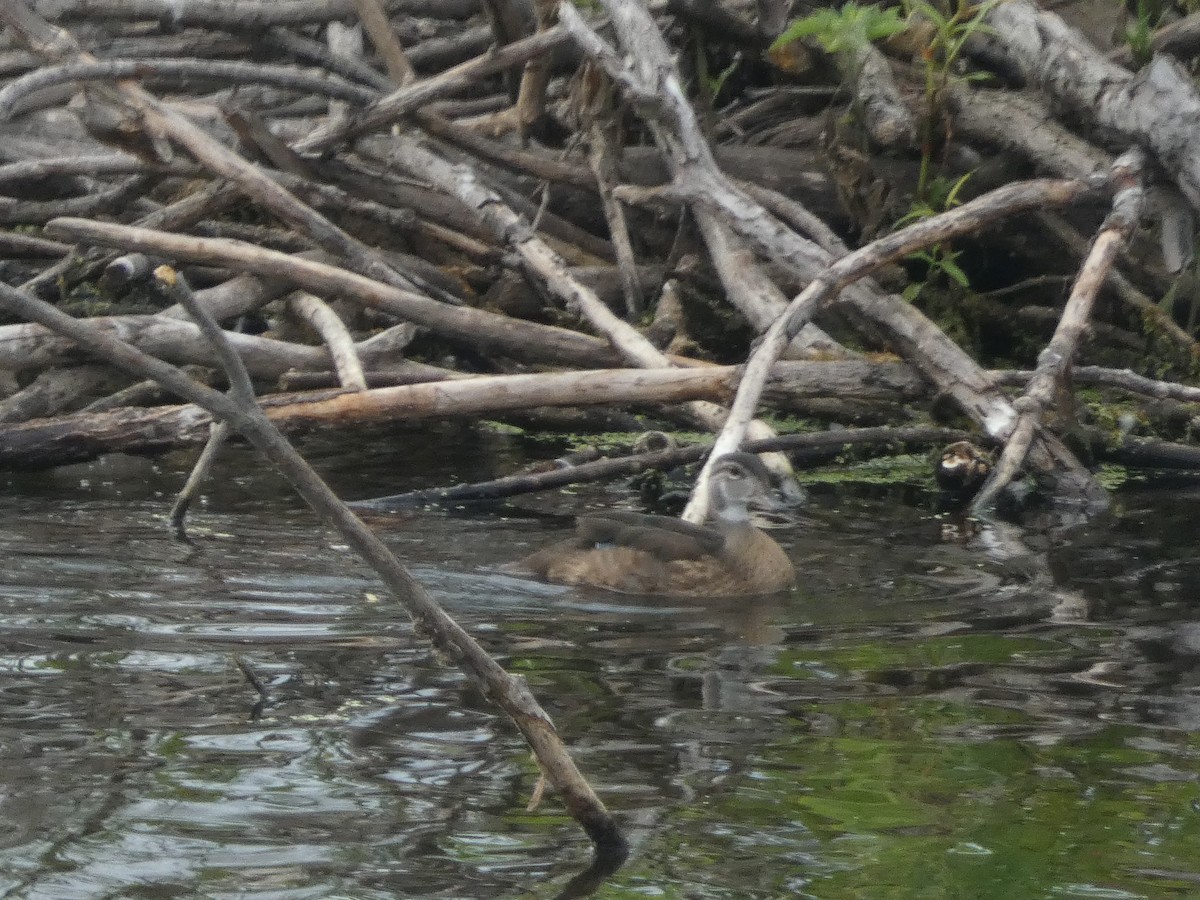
x,y
634,553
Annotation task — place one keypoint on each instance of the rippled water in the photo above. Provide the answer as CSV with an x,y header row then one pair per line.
x,y
1008,714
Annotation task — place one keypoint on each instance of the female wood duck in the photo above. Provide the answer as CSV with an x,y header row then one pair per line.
x,y
642,554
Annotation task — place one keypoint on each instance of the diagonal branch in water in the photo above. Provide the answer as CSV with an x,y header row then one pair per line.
x,y
1054,362
509,692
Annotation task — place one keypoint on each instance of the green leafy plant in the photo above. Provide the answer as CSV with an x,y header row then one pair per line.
x,y
845,29
950,34
856,25
942,261
1138,33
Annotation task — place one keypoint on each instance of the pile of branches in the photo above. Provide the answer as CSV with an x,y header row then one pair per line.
x,y
601,209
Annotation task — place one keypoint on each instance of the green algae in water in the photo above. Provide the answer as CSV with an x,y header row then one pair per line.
x,y
906,468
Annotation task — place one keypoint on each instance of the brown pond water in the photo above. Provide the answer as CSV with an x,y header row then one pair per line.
x,y
1011,716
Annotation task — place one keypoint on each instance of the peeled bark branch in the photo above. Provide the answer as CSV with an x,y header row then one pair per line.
x,y
245,15
550,268
886,117
118,69
1054,362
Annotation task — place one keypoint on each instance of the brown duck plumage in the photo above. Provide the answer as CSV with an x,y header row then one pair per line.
x,y
642,554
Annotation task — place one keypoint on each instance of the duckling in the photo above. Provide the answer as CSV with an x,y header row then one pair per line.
x,y
962,470
634,553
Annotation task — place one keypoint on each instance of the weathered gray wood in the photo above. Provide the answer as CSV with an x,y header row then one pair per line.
x,y
1159,108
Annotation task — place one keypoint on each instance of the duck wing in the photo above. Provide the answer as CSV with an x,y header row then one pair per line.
x,y
664,537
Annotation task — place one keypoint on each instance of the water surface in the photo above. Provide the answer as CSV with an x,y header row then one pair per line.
x,y
933,713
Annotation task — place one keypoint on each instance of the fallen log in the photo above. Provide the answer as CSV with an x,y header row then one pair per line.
x,y
51,442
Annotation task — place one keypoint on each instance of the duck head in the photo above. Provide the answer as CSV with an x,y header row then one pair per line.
x,y
736,481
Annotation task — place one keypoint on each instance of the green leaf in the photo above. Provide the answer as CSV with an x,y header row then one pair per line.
x,y
928,11
916,213
851,26
822,21
716,84
951,268
952,197
884,24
